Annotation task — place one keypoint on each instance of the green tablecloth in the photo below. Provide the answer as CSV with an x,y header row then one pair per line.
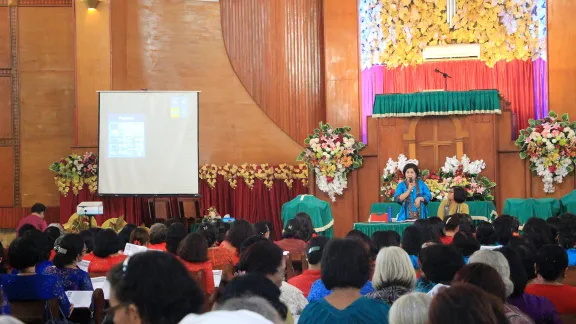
x,y
568,203
319,212
526,208
437,103
478,209
370,228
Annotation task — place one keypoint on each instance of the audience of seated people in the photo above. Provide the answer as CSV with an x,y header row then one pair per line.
x,y
158,234
193,252
69,252
314,251
513,283
345,271
291,240
106,252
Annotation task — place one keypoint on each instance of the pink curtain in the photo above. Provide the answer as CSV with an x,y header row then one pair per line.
x,y
523,83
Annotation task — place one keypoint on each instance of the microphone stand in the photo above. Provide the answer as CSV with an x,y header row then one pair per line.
x,y
445,76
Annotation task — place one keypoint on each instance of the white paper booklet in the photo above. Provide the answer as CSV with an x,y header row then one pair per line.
x,y
131,249
80,299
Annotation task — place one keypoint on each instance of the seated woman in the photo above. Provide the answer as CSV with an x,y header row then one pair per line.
x,y
290,241
158,234
540,309
411,308
265,257
439,263
465,303
43,248
551,264
29,285
345,270
505,227
485,234
455,203
466,244
394,275
106,252
53,233
314,252
412,194
124,234
220,258
175,293
488,279
193,252
140,236
307,231
262,229
239,231
69,252
176,233
412,241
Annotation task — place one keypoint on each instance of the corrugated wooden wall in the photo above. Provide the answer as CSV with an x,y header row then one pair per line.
x,y
275,48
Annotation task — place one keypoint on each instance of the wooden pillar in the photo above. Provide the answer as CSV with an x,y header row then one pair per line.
x,y
341,64
92,37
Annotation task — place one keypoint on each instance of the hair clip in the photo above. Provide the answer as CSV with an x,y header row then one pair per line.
x,y
125,266
60,250
314,248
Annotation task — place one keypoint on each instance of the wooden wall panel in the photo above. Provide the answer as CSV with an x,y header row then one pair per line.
x,y
46,62
9,217
482,142
512,181
92,67
179,46
275,48
4,37
561,63
5,107
6,176
369,187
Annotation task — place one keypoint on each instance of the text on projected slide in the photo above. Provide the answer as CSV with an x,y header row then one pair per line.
x,y
126,136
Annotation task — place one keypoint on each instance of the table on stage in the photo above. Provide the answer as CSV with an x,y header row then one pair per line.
x,y
479,210
370,228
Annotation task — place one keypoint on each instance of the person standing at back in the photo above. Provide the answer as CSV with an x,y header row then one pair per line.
x,y
36,218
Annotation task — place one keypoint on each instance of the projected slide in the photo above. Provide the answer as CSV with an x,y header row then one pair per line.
x,y
126,136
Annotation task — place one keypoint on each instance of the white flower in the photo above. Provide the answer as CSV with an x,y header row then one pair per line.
x,y
554,141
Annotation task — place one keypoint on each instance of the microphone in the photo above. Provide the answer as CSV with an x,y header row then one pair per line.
x,y
443,73
410,180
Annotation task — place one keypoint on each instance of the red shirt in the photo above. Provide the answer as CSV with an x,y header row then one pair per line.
x,y
233,250
159,246
208,275
220,257
292,245
562,296
52,255
34,220
98,264
447,239
305,280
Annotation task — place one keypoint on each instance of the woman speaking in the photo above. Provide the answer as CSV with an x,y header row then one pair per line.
x,y
412,194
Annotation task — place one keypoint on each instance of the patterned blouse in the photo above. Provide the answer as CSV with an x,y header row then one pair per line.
x,y
71,279
35,287
220,257
208,275
389,294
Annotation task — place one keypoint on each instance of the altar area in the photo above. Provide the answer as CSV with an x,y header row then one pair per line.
x,y
448,125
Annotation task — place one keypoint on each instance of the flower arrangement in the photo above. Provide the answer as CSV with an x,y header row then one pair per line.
x,y
212,215
463,173
394,32
550,144
75,171
332,153
251,172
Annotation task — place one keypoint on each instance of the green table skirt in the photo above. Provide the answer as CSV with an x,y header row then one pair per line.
x,y
477,209
524,209
437,103
370,228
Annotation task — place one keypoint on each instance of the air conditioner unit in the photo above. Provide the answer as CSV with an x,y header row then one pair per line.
x,y
451,52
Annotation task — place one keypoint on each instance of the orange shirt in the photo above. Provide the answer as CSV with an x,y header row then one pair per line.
x,y
159,246
208,275
98,264
225,245
562,296
221,257
292,245
305,280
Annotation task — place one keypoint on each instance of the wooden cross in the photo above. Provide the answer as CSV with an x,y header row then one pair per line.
x,y
435,143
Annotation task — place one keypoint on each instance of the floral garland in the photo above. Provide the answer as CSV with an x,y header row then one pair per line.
x,y
550,143
251,172
463,173
332,153
75,171
394,32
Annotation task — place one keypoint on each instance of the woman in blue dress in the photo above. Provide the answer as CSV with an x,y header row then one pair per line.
x,y
412,194
69,252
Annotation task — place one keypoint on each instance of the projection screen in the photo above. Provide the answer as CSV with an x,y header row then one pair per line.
x,y
148,143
